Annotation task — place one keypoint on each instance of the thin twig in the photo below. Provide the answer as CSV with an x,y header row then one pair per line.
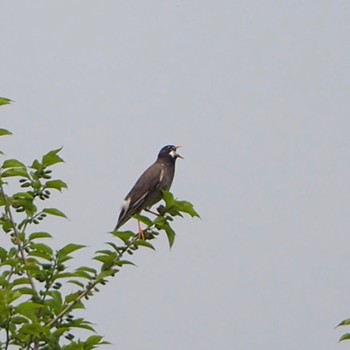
x,y
89,287
70,306
7,334
18,241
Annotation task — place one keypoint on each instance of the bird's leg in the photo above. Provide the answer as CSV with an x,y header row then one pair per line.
x,y
141,231
151,212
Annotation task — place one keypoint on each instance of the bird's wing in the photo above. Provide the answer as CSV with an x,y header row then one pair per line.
x,y
134,202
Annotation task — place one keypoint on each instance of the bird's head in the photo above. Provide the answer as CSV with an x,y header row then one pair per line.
x,y
169,152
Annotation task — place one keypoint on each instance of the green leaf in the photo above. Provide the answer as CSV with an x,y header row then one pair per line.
x,y
25,291
123,235
345,336
142,243
28,309
83,274
12,163
144,219
162,224
186,207
6,223
4,132
174,207
106,259
81,323
52,158
77,283
106,252
23,195
32,329
41,247
55,301
95,340
3,254
107,273
11,172
69,248
56,184
10,262
168,198
19,320
57,334
83,326
87,269
344,323
72,297
36,235
33,265
27,204
114,246
65,258
40,254
54,211
36,165
22,280
9,296
124,262
170,234
5,101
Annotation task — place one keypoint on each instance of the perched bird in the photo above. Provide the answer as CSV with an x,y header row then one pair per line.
x,y
147,191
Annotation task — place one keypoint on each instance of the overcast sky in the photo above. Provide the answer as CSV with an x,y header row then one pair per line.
x,y
257,92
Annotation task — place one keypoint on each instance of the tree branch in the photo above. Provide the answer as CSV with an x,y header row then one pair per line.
x,y
90,287
17,237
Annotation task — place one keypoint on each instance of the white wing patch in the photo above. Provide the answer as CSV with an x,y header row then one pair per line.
x,y
161,174
125,204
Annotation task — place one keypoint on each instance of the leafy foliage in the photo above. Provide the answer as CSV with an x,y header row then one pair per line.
x,y
35,311
345,336
4,101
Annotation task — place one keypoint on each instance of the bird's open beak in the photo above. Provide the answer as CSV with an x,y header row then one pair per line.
x,y
177,154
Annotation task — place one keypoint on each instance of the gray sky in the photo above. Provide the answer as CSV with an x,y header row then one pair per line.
x,y
258,94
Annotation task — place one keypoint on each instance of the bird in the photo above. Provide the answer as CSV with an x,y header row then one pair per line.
x,y
147,190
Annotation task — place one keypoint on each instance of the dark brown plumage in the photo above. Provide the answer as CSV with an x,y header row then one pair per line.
x,y
147,191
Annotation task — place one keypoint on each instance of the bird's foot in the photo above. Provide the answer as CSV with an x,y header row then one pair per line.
x,y
141,231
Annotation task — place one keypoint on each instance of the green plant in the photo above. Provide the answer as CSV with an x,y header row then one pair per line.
x,y
345,336
35,311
